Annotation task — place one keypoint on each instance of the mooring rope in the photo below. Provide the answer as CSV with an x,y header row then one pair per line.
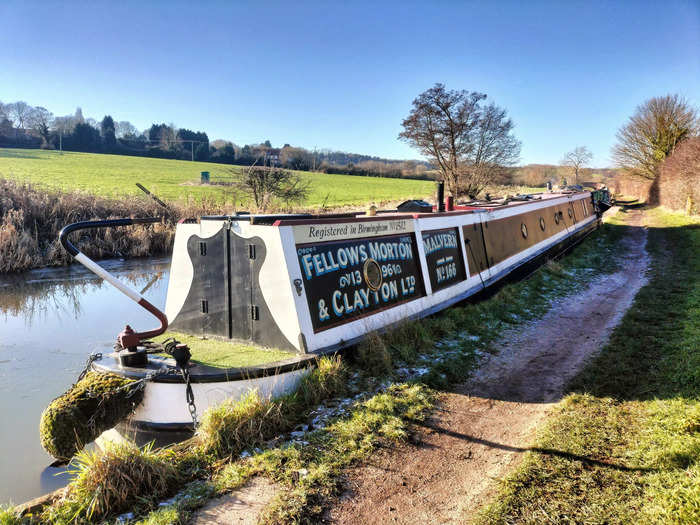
x,y
469,245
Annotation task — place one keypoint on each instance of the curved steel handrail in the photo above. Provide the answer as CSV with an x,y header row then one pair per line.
x,y
132,338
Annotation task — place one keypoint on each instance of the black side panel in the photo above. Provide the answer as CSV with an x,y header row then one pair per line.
x,y
251,317
205,311
241,282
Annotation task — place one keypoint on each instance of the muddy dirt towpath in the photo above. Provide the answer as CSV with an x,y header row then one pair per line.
x,y
481,429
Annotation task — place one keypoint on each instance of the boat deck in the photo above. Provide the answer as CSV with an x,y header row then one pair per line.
x,y
212,360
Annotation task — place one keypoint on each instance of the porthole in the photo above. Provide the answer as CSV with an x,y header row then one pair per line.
x,y
556,217
523,230
542,225
571,213
373,274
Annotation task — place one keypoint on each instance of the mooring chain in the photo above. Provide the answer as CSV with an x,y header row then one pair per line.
x,y
189,395
181,354
170,346
88,364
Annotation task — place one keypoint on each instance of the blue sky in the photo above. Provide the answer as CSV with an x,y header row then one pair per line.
x,y
342,75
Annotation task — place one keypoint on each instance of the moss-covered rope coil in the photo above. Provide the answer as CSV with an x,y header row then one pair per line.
x,y
94,404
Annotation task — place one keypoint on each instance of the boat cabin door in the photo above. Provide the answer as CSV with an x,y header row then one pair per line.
x,y
477,258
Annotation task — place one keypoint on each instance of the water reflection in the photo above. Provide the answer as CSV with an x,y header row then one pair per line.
x,y
59,290
50,320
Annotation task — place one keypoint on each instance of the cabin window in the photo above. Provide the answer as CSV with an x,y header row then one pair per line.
x,y
523,230
571,213
202,248
542,225
556,217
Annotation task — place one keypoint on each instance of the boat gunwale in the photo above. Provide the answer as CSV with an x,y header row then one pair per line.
x,y
205,373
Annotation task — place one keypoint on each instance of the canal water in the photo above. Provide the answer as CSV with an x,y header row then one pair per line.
x,y
50,321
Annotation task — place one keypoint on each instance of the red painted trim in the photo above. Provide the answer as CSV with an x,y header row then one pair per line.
x,y
159,315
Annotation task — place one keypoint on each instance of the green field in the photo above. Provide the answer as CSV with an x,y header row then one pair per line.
x,y
116,176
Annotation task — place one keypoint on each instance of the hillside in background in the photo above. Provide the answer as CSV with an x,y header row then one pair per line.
x,y
117,175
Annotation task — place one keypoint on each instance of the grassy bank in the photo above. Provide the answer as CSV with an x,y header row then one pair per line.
x,y
624,446
114,176
125,479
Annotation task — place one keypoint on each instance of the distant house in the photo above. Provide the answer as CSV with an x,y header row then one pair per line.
x,y
272,157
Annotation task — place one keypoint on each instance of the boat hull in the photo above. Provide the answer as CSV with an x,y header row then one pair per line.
x,y
164,406
307,284
302,284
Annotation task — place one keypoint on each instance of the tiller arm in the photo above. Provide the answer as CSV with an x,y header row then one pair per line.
x,y
128,339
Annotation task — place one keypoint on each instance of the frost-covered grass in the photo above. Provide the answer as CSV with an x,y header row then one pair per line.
x,y
627,439
239,440
445,348
308,470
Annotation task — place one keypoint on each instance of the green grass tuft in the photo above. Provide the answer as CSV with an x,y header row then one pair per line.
x,y
8,516
232,426
114,481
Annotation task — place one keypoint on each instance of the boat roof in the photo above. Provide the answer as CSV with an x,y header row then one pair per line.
x,y
472,206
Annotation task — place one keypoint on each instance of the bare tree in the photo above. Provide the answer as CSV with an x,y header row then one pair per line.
x,y
576,160
469,143
41,120
19,113
125,128
64,125
496,148
264,185
652,133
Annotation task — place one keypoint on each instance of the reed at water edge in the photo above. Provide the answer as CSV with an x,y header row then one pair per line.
x,y
31,218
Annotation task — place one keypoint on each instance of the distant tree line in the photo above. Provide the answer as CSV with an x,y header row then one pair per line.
x,y
538,175
25,126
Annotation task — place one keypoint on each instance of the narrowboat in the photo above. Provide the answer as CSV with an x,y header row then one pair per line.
x,y
316,284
